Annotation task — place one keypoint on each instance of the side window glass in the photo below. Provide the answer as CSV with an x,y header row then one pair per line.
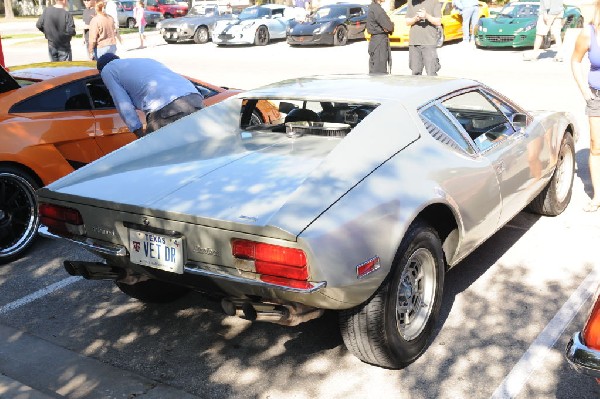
x,y
444,130
69,97
205,91
480,117
101,97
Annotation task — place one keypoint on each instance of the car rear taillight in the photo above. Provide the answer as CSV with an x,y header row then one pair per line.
x,y
276,264
591,332
61,220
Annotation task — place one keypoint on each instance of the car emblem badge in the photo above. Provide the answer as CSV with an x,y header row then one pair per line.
x,y
146,222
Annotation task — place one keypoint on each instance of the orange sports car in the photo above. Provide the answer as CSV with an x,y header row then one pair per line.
x,y
55,118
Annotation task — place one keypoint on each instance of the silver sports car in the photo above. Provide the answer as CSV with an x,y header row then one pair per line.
x,y
196,25
255,25
357,199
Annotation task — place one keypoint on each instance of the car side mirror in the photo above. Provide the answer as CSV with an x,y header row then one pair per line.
x,y
519,121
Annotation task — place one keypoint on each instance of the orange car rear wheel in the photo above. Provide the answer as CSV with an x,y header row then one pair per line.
x,y
18,212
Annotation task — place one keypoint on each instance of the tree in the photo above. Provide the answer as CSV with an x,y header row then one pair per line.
x,y
8,11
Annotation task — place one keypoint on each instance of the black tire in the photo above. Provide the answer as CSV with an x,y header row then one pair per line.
x,y
555,197
441,36
167,15
19,219
153,291
201,35
130,23
256,118
546,42
261,38
340,36
374,331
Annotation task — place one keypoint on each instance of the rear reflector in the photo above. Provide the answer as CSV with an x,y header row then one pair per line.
x,y
61,220
272,260
591,332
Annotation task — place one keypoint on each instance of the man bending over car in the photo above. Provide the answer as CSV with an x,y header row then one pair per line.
x,y
145,84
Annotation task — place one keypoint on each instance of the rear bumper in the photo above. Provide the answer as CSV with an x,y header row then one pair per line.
x,y
218,274
582,358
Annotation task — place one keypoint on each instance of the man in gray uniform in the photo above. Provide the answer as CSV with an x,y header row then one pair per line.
x,y
423,17
379,26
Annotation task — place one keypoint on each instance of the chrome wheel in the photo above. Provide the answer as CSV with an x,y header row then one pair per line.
x,y
18,214
415,294
565,172
201,35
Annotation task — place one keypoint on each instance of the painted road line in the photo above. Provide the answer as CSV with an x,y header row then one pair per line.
x,y
38,294
533,358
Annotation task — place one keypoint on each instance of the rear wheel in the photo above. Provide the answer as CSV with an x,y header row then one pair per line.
x,y
19,218
261,37
130,23
201,35
167,15
393,327
153,291
555,197
340,36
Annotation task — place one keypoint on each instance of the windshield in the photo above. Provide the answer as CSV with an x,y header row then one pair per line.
x,y
253,13
329,13
516,10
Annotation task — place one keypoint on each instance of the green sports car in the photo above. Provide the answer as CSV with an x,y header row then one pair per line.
x,y
514,25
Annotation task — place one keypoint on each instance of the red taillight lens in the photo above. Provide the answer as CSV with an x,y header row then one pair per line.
x,y
272,260
60,219
591,332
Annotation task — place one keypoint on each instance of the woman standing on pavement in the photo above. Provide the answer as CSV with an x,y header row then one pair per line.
x,y
103,35
140,20
588,42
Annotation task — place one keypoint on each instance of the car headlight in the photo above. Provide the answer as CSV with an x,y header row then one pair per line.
x,y
526,28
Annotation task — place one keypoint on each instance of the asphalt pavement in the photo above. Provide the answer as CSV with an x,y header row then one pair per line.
x,y
497,305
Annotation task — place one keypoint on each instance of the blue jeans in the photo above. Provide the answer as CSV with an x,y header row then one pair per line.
x,y
100,51
59,55
470,17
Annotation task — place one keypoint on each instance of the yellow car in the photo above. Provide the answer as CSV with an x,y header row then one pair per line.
x,y
451,28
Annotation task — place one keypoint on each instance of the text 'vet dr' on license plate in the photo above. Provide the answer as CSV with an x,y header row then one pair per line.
x,y
156,250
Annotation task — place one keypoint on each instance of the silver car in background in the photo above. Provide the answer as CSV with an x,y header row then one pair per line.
x,y
196,25
125,15
357,198
256,25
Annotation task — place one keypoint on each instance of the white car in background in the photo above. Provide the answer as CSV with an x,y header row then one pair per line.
x,y
255,25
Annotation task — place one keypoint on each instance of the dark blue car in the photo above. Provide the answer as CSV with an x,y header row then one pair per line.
x,y
331,25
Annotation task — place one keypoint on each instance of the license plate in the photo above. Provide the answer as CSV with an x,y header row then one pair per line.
x,y
156,251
